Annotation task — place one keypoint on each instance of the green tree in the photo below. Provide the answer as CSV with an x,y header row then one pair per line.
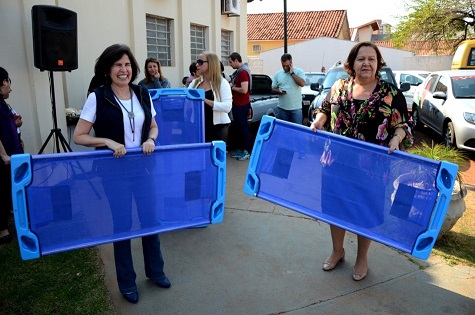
x,y
435,25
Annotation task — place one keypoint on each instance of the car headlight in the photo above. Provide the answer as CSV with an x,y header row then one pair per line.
x,y
470,117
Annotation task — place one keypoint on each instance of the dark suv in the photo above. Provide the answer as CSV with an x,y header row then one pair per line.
x,y
338,72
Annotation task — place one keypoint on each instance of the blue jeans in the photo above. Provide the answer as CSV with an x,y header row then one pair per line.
x,y
124,265
294,115
243,134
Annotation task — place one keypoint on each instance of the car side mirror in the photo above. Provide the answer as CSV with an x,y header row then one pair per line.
x,y
315,87
439,95
405,87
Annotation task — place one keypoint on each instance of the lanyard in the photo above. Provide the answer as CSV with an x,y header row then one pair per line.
x,y
130,113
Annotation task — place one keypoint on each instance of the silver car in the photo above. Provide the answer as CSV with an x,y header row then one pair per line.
x,y
447,105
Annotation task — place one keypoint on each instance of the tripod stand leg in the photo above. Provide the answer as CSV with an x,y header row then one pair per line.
x,y
63,141
59,138
55,131
46,142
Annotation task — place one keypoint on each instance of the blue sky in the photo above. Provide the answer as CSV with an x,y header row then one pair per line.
x,y
359,12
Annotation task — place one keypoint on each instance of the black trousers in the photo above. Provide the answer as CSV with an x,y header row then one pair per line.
x,y
5,195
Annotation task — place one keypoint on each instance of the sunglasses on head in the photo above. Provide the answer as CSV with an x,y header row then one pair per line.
x,y
201,62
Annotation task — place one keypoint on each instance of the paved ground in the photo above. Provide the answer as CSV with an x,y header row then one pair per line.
x,y
265,259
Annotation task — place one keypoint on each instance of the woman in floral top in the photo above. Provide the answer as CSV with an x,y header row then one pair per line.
x,y
367,108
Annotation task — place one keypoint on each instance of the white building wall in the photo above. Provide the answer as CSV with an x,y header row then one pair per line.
x,y
428,63
100,24
311,55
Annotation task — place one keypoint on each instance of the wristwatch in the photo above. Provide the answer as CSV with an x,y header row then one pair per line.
x,y
292,73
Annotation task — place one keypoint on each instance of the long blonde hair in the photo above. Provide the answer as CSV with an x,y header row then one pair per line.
x,y
214,74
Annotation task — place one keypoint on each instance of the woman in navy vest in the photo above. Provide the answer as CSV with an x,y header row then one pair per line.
x,y
122,116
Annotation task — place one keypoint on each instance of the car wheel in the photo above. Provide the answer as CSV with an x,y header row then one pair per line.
x,y
449,135
415,118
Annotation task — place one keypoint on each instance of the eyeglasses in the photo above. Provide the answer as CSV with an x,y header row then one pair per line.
x,y
201,62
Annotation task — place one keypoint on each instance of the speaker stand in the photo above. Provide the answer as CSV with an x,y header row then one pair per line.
x,y
55,132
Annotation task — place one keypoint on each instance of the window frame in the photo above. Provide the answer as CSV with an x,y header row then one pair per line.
x,y
257,50
226,46
163,39
200,45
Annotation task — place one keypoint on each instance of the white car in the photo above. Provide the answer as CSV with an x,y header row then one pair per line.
x,y
308,94
447,105
414,78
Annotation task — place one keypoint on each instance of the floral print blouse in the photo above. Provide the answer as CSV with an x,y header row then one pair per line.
x,y
374,119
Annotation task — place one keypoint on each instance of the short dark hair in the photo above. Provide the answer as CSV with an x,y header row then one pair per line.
x,y
110,55
286,57
235,56
350,61
3,75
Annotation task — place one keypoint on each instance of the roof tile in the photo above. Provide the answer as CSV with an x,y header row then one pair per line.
x,y
300,25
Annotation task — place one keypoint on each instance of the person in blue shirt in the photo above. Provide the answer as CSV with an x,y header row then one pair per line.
x,y
288,83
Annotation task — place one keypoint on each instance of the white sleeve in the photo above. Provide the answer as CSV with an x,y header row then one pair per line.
x,y
88,112
226,102
154,112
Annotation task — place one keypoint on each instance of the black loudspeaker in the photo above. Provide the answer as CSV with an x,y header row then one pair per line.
x,y
55,43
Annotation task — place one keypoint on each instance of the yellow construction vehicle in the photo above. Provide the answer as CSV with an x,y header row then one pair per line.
x,y
464,57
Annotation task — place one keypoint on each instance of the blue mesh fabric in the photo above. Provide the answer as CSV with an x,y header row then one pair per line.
x,y
358,186
85,199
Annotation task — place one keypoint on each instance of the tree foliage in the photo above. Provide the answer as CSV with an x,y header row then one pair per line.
x,y
435,25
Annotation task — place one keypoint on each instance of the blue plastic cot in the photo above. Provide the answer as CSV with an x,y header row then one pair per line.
x,y
397,199
180,115
67,201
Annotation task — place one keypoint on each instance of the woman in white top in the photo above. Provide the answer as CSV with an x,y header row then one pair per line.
x,y
218,97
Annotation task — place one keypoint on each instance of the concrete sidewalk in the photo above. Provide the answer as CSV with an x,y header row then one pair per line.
x,y
265,259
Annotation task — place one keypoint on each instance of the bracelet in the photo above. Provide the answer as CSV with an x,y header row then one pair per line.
x,y
153,139
400,138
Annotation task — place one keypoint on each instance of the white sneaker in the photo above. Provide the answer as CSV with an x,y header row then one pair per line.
x,y
245,156
237,153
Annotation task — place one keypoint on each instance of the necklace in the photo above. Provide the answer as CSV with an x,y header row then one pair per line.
x,y
130,113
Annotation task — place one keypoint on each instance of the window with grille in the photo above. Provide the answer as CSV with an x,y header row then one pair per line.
x,y
225,46
197,40
159,39
256,48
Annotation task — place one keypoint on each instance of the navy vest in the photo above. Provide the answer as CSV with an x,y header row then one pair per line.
x,y
109,116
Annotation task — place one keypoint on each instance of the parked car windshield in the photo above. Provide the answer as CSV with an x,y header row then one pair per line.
x,y
463,86
314,78
338,73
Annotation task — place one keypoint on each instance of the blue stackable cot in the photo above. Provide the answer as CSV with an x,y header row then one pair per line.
x,y
397,199
180,115
62,201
